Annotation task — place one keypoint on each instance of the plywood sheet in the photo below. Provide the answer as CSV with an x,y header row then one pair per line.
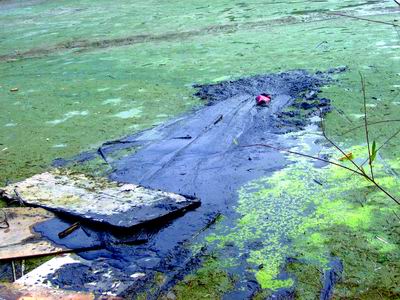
x,y
34,232
19,239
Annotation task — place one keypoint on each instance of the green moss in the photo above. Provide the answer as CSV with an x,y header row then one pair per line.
x,y
308,280
33,263
208,282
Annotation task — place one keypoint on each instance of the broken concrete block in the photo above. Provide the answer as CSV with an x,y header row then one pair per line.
x,y
98,199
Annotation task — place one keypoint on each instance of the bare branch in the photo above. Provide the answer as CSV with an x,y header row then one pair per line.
x,y
363,19
337,147
371,123
366,124
305,155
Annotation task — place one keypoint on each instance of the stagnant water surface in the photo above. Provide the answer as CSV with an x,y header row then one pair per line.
x,y
89,72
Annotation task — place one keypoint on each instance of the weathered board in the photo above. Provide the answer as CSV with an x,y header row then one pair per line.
x,y
43,278
17,291
97,199
19,239
33,232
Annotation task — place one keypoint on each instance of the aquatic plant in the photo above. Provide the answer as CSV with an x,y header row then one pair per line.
x,y
359,169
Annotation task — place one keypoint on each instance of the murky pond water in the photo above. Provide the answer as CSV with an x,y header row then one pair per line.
x,y
69,100
90,72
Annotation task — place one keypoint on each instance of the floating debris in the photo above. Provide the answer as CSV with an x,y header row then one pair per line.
x,y
263,99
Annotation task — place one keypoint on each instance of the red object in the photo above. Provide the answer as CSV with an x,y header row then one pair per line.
x,y
263,99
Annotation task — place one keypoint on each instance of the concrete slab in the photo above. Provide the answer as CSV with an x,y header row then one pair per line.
x,y
98,199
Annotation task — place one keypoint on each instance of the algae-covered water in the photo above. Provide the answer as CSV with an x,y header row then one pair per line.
x,y
69,100
87,72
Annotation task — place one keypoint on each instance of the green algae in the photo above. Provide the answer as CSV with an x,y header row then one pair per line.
x,y
209,282
66,101
66,104
48,24
289,215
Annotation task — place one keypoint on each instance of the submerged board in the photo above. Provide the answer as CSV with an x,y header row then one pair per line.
x,y
97,199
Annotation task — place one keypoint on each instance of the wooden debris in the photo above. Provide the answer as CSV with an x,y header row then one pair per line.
x,y
21,292
19,240
69,230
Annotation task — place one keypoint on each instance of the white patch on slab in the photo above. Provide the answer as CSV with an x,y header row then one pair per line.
x,y
39,275
134,112
10,125
370,105
68,116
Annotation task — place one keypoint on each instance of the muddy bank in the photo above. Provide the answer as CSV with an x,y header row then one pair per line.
x,y
199,154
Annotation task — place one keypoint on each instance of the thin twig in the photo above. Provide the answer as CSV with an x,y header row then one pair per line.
x,y
14,273
23,267
366,124
370,124
384,144
305,155
363,19
383,190
396,215
338,148
363,174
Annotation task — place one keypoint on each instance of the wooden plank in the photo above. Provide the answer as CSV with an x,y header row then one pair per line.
x,y
19,239
95,199
20,292
33,232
